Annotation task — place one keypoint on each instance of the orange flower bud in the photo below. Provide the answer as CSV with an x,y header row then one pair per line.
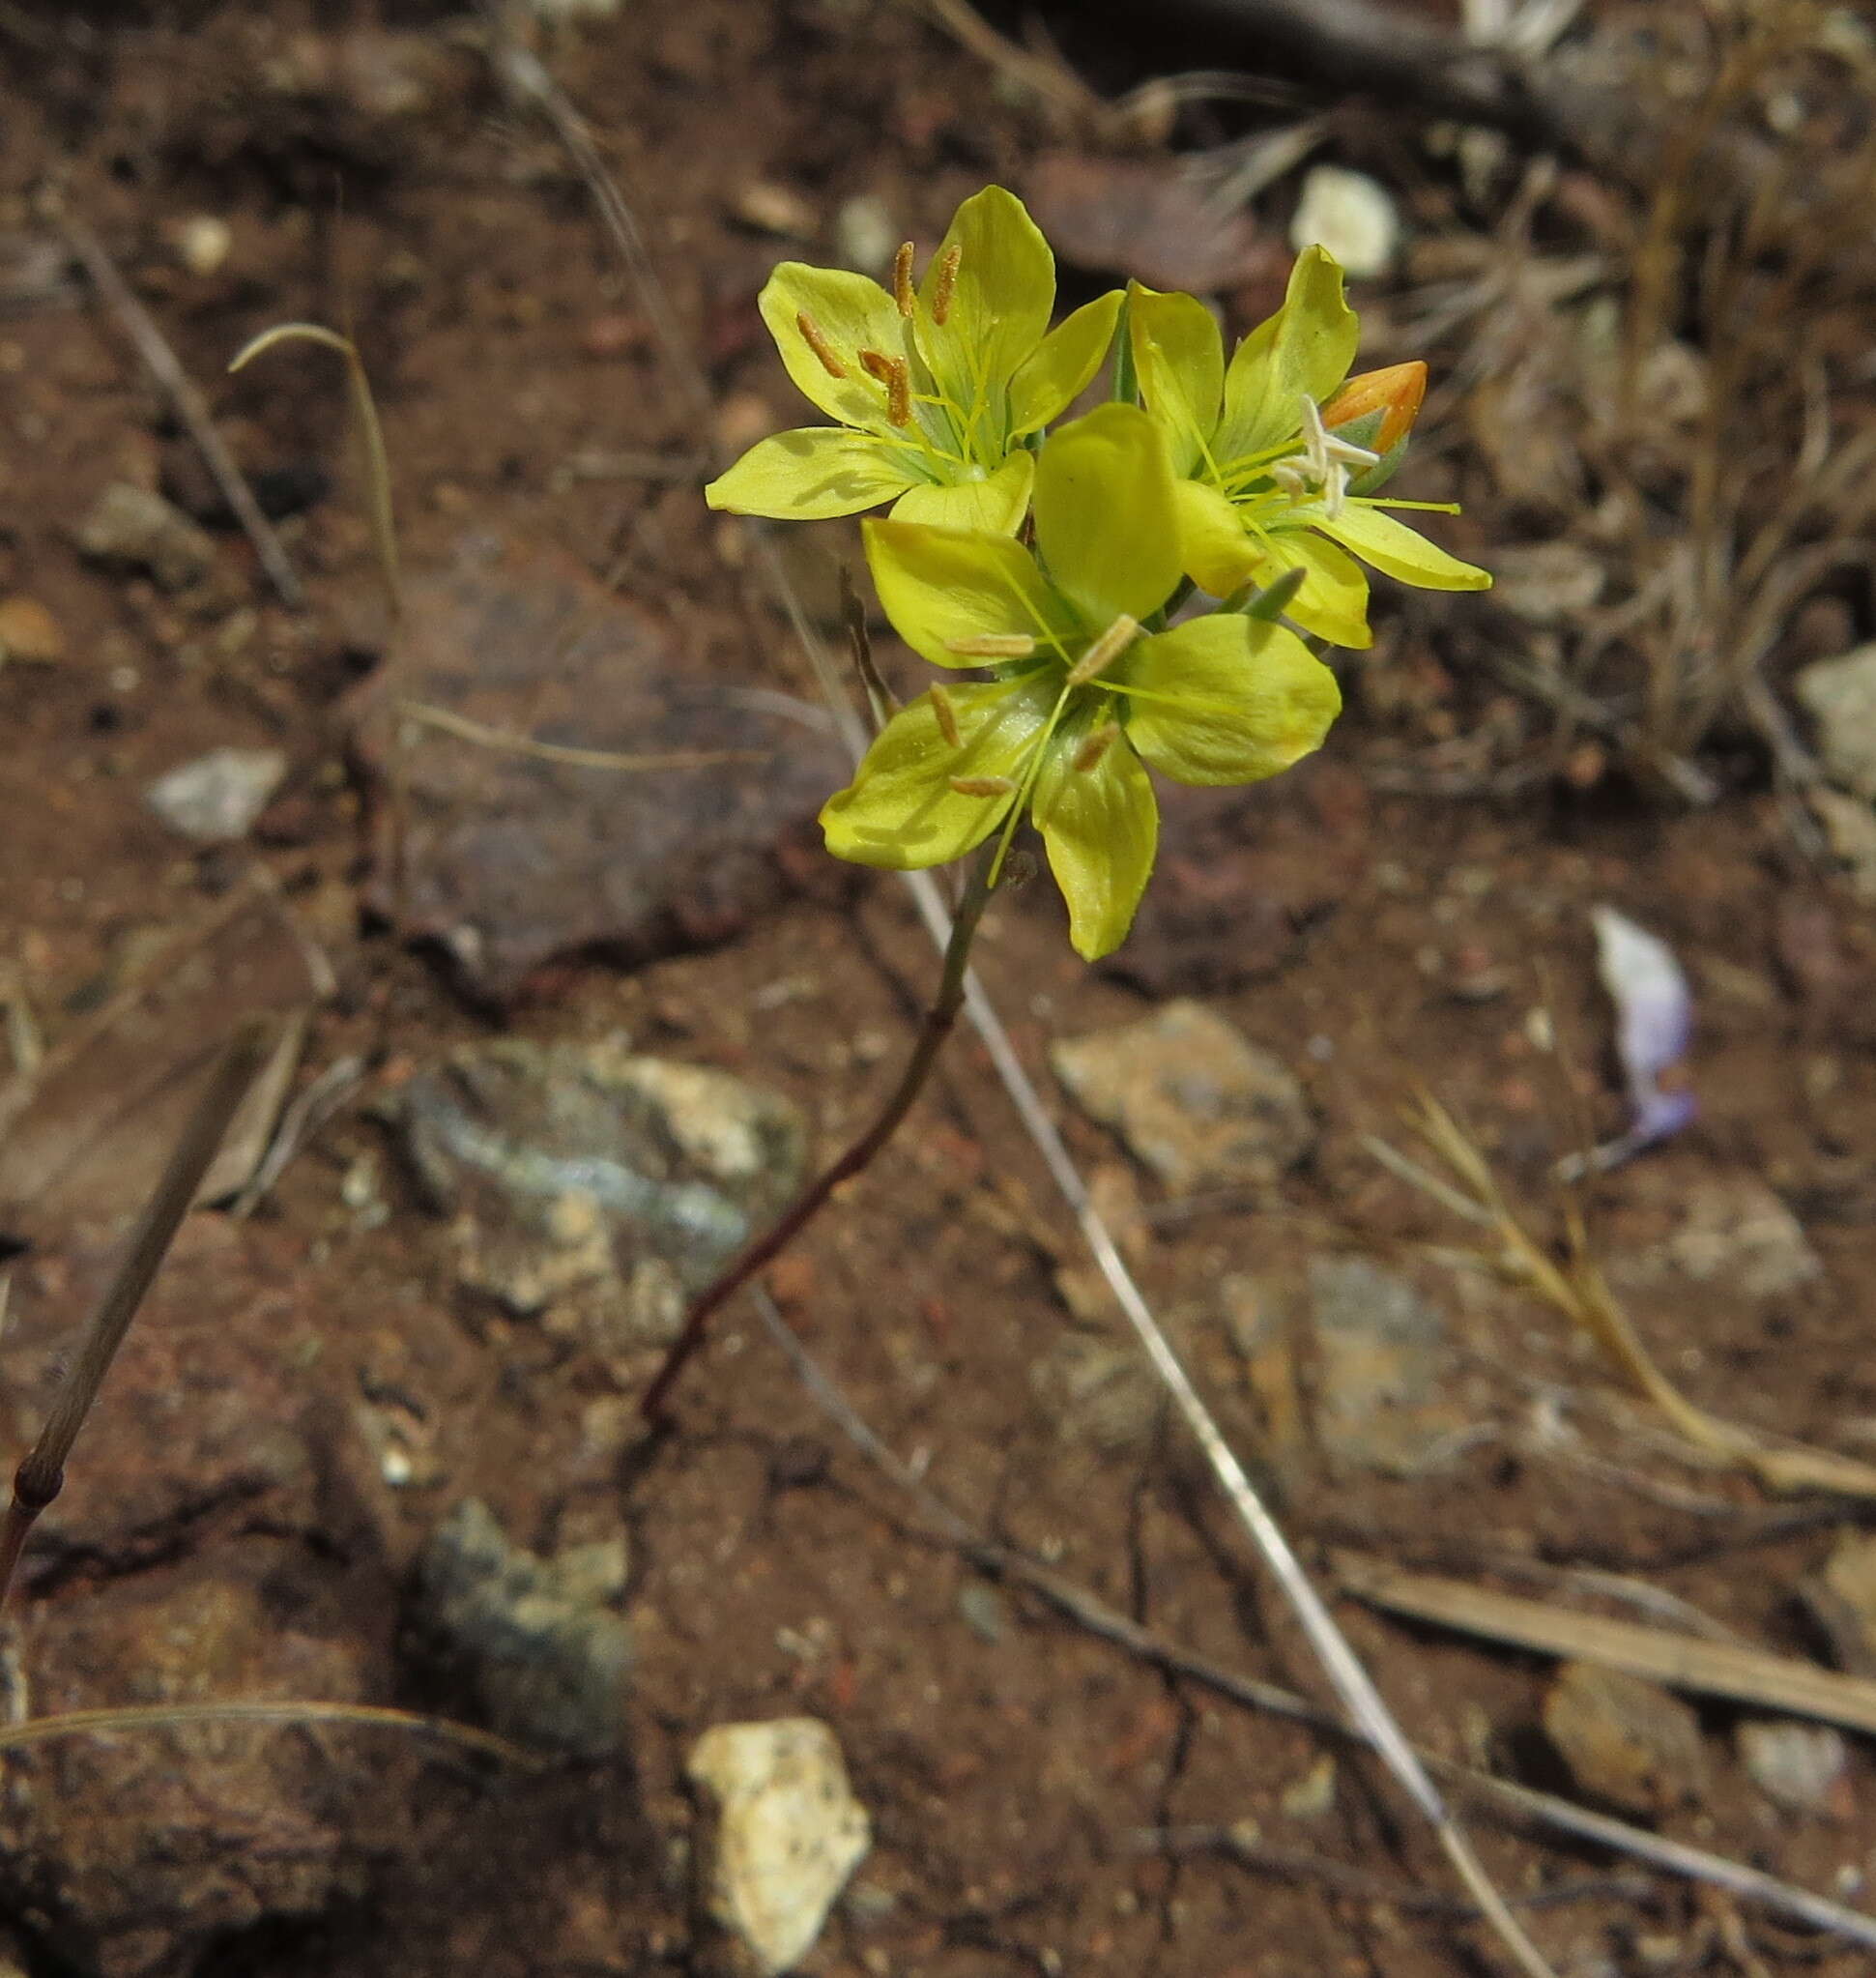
x,y
1394,393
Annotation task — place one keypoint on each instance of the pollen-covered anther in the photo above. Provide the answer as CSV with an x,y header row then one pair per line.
x,y
947,282
1104,651
896,375
993,645
1090,752
946,716
811,335
901,280
983,786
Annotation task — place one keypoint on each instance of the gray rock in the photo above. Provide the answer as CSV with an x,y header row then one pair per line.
x,y
593,1187
215,799
515,859
1627,1741
1798,1766
131,525
1840,697
1731,1232
1352,216
1191,1097
529,1641
785,1835
1383,1369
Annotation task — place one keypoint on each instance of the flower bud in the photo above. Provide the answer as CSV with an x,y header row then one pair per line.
x,y
1378,409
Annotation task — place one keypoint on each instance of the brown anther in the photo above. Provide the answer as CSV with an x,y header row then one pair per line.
x,y
993,645
1096,746
1104,651
983,786
896,375
901,280
947,281
946,716
811,335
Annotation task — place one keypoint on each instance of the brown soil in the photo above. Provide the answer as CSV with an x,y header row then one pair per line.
x,y
1010,1779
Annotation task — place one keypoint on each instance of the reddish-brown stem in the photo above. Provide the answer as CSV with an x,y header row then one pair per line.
x,y
813,1199
41,1475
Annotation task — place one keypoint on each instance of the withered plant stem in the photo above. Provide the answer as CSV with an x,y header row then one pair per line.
x,y
756,1257
41,1475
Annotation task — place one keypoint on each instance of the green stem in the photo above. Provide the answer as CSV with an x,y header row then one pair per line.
x,y
756,1257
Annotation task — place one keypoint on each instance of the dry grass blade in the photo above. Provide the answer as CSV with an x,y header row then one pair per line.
x,y
172,1716
466,730
1582,1293
1532,1808
164,366
1679,1661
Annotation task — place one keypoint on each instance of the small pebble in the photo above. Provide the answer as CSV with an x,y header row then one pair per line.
x,y
773,209
1351,216
865,236
215,799
29,633
202,242
1798,1766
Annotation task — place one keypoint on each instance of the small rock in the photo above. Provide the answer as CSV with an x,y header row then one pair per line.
x,y
29,633
215,799
593,1187
202,242
530,1641
1351,216
788,1833
1849,824
1546,583
1842,1601
1193,1098
1731,1232
131,525
1840,697
1383,1369
1798,1766
865,236
779,210
1627,1741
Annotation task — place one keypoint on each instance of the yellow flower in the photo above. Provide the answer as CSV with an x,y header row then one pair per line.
x,y
1278,457
1086,691
938,387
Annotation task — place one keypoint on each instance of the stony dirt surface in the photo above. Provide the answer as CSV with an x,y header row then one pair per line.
x,y
315,1390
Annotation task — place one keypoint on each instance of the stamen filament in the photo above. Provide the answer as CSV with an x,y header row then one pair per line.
x,y
1104,651
1096,746
811,335
947,282
946,716
993,645
895,374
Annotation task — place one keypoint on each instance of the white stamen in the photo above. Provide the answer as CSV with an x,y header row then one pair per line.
x,y
1323,463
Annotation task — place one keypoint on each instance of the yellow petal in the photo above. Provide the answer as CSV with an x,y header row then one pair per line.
x,y
997,504
942,585
1061,365
1180,360
1306,348
1333,603
1397,551
1225,700
844,314
1100,827
995,300
1218,553
901,810
1106,526
813,471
